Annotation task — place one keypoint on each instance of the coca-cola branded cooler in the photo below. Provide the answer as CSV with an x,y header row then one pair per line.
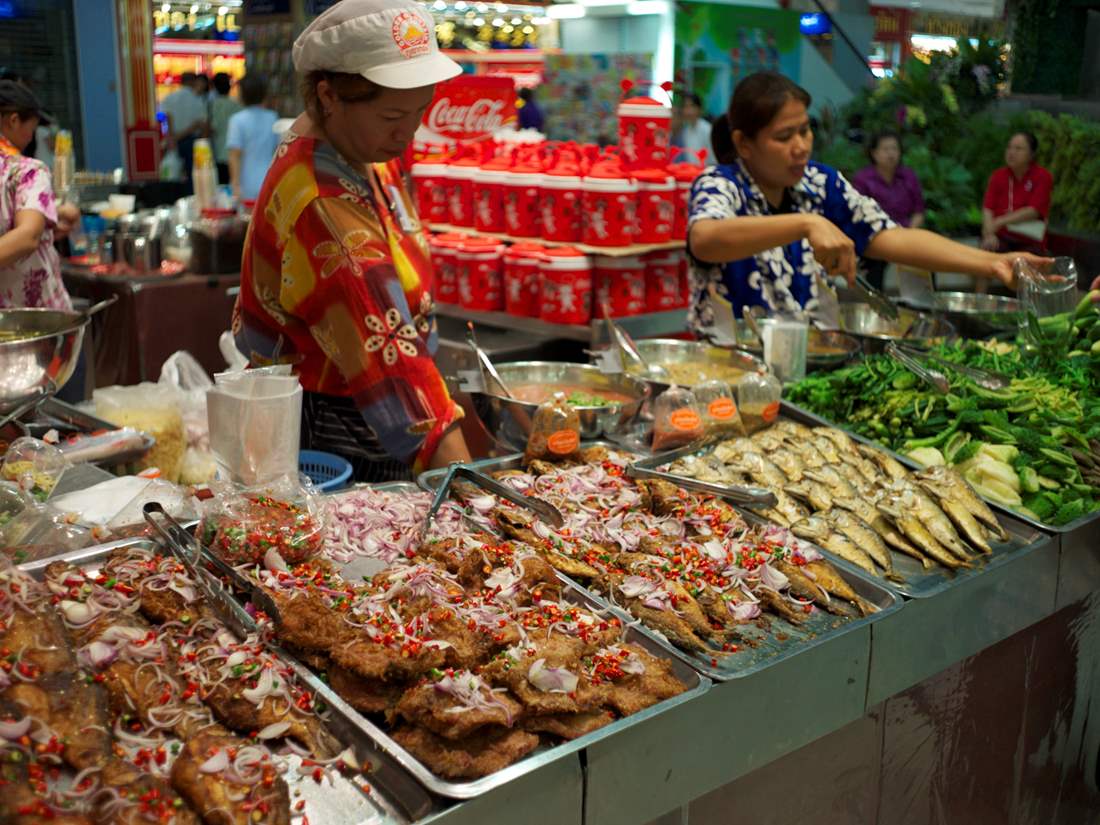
x,y
521,201
620,285
560,202
489,195
460,190
445,248
644,133
430,184
656,205
608,206
522,263
480,281
665,286
685,174
566,290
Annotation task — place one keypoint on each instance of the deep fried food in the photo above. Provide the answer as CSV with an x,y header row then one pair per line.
x,y
216,797
457,705
476,756
568,726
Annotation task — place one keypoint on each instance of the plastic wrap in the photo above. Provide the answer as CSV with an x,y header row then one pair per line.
x,y
718,406
246,525
555,431
153,409
758,395
34,466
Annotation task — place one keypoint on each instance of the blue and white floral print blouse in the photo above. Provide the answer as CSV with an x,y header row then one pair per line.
x,y
781,278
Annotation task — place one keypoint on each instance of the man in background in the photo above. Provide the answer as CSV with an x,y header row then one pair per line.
x,y
694,133
530,115
185,110
222,107
251,140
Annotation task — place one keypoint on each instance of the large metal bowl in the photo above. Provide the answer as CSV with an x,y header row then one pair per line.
x,y
827,348
669,351
509,420
42,357
973,314
874,332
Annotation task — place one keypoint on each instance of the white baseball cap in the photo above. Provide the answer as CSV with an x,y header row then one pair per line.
x,y
389,42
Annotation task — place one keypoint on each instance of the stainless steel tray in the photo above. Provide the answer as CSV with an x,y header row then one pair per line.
x,y
1082,524
544,754
919,583
769,647
395,799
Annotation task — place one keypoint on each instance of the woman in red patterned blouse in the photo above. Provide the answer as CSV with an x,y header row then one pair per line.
x,y
336,277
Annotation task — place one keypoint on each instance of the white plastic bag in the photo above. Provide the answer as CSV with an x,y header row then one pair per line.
x,y
182,372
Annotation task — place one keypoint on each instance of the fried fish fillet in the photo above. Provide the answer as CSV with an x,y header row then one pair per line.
x,y
478,755
568,726
445,716
220,801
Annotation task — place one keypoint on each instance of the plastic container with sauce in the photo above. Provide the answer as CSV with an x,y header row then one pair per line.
x,y
758,400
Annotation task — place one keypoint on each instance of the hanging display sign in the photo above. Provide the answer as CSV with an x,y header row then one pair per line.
x,y
891,25
469,108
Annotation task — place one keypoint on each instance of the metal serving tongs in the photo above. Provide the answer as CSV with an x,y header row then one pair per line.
x,y
543,509
485,363
621,339
933,377
986,379
748,496
876,298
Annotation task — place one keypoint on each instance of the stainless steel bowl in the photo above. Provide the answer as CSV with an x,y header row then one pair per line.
x,y
509,420
43,357
832,348
973,314
668,351
874,332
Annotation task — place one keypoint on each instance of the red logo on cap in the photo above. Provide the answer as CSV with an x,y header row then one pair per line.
x,y
412,34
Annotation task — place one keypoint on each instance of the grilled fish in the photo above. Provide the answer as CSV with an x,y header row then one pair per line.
x,y
937,522
870,472
871,516
890,465
864,537
763,471
813,492
796,429
806,588
946,483
789,462
826,576
768,440
853,476
838,485
964,520
841,440
827,448
810,455
903,513
818,530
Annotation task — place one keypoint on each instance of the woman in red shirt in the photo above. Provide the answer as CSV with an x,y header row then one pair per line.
x,y
1018,192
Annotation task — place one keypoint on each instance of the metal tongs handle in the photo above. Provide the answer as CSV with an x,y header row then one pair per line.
x,y
877,299
187,549
934,378
750,496
543,509
987,379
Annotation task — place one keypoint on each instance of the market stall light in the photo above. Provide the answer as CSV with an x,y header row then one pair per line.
x,y
167,7
541,21
223,10
516,21
498,21
501,8
479,21
439,5
565,11
482,8
460,5
647,7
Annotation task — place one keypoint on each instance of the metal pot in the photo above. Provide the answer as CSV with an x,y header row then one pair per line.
x,y
140,252
670,351
974,315
509,420
827,349
874,332
42,353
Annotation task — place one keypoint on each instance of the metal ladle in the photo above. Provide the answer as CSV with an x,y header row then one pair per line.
x,y
485,363
622,339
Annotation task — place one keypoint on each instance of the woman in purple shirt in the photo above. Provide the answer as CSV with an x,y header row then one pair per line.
x,y
894,186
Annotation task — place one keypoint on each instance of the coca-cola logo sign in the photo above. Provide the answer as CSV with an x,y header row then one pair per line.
x,y
468,108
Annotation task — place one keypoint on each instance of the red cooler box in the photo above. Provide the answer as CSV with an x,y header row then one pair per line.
x,y
656,205
620,285
609,208
560,202
430,183
489,195
480,283
522,263
644,133
521,202
460,191
445,261
566,290
665,286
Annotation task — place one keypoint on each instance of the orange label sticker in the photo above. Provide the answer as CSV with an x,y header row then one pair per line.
x,y
722,409
771,412
563,442
684,419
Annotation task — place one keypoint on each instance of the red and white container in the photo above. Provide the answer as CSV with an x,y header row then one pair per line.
x,y
480,279
522,265
609,206
560,203
656,205
445,248
489,195
685,175
566,288
644,133
620,285
460,191
665,286
430,184
521,201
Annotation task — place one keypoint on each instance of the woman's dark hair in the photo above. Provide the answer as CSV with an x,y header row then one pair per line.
x,y
879,137
526,94
1032,141
758,99
222,83
350,88
721,140
253,89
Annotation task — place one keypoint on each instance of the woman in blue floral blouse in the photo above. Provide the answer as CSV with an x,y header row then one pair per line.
x,y
764,225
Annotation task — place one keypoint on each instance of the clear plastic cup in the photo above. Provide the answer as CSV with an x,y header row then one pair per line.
x,y
785,345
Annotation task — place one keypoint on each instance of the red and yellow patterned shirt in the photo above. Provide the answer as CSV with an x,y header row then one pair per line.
x,y
336,280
